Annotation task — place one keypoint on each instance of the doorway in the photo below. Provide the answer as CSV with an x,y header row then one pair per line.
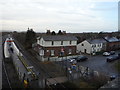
x,y
85,50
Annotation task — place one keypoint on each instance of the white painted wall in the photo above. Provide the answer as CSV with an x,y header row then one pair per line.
x,y
86,46
97,48
47,43
74,43
56,43
66,43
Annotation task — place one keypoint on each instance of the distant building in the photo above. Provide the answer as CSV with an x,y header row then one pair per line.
x,y
56,45
92,46
112,43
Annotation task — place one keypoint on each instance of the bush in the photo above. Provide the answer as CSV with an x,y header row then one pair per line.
x,y
117,66
99,53
69,85
85,85
98,81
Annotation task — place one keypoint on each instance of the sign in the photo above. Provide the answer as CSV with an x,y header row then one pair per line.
x,y
73,66
30,67
62,50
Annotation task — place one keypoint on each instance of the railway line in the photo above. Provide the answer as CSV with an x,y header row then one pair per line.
x,y
20,61
40,67
25,73
5,78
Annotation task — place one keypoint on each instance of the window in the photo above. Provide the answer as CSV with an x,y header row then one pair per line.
x,y
82,44
103,44
52,52
94,45
47,50
100,45
98,50
42,42
70,42
52,42
70,51
61,42
41,53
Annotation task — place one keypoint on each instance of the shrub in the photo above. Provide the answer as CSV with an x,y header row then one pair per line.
x,y
117,66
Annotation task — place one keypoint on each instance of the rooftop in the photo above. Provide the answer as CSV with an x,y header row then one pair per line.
x,y
111,39
59,38
96,41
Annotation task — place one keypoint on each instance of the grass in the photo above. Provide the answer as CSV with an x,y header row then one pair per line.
x,y
117,66
91,83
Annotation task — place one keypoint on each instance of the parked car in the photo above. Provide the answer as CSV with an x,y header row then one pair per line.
x,y
81,58
119,55
71,60
106,54
74,57
112,58
112,52
112,77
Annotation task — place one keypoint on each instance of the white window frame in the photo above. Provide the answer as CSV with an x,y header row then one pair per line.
x,y
70,51
52,52
41,53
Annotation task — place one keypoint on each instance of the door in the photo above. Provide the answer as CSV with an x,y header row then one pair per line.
x,y
85,50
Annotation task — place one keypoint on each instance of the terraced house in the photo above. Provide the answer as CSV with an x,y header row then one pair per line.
x,y
112,43
56,45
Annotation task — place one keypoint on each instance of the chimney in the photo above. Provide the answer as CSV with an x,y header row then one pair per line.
x,y
64,32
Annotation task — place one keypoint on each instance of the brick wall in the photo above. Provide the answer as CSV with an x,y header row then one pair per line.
x,y
113,46
57,50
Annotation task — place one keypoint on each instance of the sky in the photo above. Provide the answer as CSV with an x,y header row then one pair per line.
x,y
73,16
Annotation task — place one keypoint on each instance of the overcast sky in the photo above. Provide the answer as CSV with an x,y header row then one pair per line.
x,y
69,15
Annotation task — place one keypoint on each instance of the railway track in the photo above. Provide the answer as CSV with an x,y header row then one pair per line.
x,y
4,71
22,68
40,67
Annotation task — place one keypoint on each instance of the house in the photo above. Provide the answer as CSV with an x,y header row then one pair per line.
x,y
92,46
56,45
112,43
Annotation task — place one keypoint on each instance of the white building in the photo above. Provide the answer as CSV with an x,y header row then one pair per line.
x,y
91,46
56,45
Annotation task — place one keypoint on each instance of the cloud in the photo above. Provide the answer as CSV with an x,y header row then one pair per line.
x,y
70,15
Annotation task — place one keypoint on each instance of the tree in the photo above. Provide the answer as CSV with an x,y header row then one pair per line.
x,y
60,32
48,32
30,38
53,33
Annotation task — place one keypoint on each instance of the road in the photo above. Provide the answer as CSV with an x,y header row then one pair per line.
x,y
99,64
96,63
